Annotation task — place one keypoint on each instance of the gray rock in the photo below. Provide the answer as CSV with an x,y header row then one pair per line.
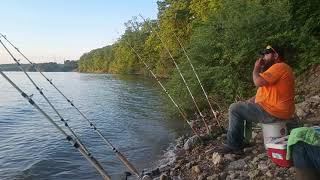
x,y
300,112
230,157
255,160
213,177
239,164
190,143
211,127
280,172
209,151
155,172
230,172
243,174
223,175
146,177
233,175
180,152
269,174
179,142
252,165
173,173
164,168
315,98
253,174
263,156
176,178
292,170
196,169
247,158
188,165
263,166
176,167
216,158
202,177
164,177
272,165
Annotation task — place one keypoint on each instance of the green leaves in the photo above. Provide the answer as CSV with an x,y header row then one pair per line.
x,y
222,39
227,41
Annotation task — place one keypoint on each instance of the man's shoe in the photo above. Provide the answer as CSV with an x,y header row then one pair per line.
x,y
226,149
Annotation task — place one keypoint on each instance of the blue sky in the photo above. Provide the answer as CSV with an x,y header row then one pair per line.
x,y
55,30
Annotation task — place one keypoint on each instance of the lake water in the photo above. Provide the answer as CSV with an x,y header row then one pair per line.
x,y
129,110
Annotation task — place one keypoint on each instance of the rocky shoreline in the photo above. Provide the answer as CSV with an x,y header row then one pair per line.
x,y
191,160
188,159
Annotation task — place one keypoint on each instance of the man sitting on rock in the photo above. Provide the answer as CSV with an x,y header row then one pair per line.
x,y
274,100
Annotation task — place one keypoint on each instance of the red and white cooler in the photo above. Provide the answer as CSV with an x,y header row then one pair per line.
x,y
277,151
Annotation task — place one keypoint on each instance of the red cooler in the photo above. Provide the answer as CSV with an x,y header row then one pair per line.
x,y
277,151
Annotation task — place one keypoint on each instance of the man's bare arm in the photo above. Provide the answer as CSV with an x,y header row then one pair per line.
x,y
257,79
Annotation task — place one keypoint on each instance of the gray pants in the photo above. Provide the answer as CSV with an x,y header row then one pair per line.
x,y
239,113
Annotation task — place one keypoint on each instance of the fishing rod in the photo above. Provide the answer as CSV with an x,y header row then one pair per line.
x,y
69,138
122,158
195,73
182,77
47,100
165,90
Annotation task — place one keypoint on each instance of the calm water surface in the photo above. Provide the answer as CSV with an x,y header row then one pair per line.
x,y
129,110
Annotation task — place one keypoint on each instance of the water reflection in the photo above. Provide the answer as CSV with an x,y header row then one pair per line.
x,y
129,110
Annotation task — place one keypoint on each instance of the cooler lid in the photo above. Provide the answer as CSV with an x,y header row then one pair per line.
x,y
278,143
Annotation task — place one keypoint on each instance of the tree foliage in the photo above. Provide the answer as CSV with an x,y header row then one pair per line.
x,y
222,39
67,66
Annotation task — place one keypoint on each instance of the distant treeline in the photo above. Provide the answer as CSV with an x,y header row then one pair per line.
x,y
222,38
67,66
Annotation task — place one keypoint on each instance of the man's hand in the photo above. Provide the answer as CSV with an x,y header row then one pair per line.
x,y
252,100
259,63
257,79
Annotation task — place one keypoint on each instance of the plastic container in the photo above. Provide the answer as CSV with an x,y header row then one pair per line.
x,y
273,131
277,151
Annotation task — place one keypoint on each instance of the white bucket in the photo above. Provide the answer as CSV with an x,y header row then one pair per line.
x,y
273,131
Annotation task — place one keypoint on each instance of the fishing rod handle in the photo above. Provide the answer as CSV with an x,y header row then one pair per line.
x,y
128,164
97,165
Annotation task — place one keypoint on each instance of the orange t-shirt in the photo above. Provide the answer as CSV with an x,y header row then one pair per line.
x,y
277,98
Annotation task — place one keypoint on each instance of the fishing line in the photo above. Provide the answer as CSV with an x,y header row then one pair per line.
x,y
195,73
182,77
70,139
47,100
122,158
165,90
